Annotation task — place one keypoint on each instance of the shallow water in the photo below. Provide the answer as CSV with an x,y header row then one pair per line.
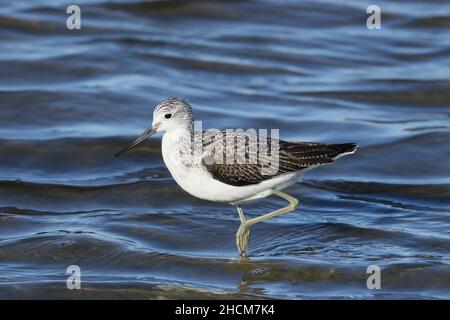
x,y
71,99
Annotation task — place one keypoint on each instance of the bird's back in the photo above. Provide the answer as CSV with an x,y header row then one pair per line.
x,y
290,157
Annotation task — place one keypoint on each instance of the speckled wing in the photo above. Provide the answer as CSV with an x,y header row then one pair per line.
x,y
293,156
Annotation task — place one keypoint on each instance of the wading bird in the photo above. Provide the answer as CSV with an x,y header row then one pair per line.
x,y
236,183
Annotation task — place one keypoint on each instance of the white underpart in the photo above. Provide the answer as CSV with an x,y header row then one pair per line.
x,y
197,181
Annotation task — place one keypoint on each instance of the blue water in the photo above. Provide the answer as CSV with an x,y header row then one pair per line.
x,y
69,100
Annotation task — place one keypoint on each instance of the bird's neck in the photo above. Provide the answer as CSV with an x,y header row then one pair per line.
x,y
181,134
186,129
186,126
177,147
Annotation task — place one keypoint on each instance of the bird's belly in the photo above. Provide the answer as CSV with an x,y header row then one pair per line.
x,y
199,183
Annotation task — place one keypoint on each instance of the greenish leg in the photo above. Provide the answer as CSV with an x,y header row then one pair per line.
x,y
243,233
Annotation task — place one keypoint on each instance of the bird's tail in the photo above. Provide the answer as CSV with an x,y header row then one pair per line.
x,y
342,149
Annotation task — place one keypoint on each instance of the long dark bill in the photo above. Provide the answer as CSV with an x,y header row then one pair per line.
x,y
146,134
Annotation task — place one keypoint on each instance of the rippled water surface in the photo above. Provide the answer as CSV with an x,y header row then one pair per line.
x,y
69,100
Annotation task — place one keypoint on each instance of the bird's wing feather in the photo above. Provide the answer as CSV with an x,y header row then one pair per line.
x,y
292,156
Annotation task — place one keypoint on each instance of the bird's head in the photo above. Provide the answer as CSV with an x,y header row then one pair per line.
x,y
169,114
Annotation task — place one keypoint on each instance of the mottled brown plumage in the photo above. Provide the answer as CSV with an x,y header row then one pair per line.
x,y
293,156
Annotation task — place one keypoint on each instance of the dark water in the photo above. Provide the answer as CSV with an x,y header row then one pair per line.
x,y
69,100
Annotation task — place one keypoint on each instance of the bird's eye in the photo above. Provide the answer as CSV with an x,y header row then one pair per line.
x,y
168,115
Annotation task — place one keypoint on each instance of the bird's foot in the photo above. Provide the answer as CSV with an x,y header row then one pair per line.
x,y
242,239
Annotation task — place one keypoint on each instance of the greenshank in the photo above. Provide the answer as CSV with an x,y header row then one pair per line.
x,y
205,175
